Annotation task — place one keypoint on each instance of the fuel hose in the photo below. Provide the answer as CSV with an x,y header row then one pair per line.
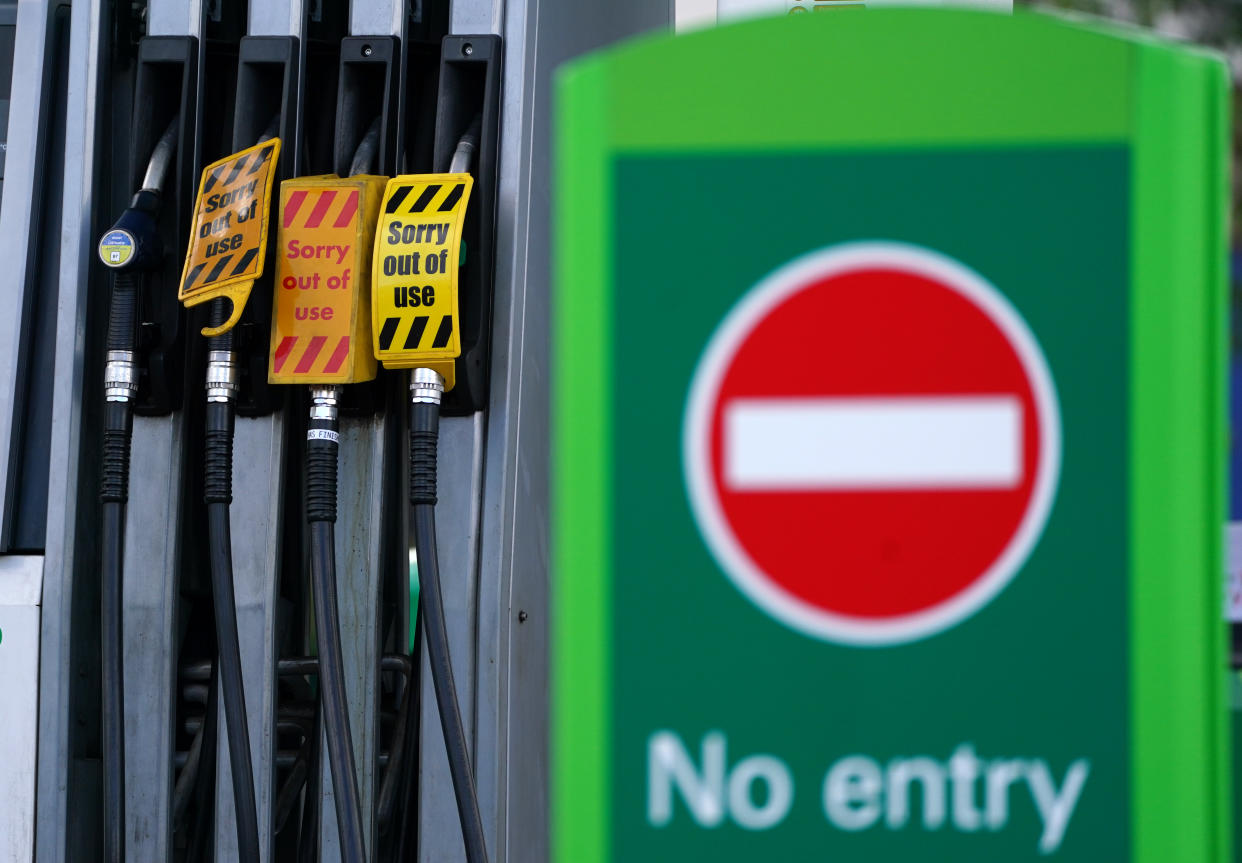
x,y
218,494
222,389
131,248
322,444
426,392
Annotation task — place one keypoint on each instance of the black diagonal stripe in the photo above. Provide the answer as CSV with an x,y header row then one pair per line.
x,y
425,198
387,332
264,155
397,197
453,197
416,333
189,280
244,262
442,334
212,179
237,169
218,268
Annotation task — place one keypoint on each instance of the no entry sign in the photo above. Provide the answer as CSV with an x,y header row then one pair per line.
x,y
872,443
888,537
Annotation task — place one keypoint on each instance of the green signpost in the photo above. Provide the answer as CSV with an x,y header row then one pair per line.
x,y
889,445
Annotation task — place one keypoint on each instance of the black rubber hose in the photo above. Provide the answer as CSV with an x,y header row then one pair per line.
x,y
183,790
161,157
217,314
205,785
123,312
424,430
321,481
114,493
218,495
367,151
308,834
407,835
113,689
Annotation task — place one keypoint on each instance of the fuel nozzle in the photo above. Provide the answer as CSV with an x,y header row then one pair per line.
x,y
133,243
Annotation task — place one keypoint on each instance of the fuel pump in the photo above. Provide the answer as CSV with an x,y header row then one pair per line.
x,y
415,309
132,249
225,69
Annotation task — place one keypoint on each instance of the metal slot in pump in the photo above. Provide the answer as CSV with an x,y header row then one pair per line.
x,y
470,89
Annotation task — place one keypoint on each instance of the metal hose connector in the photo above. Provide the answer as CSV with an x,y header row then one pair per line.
x,y
120,377
222,386
324,402
426,387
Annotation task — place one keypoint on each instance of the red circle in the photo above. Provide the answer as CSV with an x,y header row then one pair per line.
x,y
884,333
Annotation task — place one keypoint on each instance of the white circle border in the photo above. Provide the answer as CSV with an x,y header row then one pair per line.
x,y
696,427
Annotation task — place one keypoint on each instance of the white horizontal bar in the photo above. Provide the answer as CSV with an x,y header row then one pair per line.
x,y
952,442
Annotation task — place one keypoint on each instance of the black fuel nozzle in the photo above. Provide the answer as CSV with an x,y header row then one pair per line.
x,y
133,243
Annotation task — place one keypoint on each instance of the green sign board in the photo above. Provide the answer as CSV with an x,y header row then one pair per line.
x,y
889,445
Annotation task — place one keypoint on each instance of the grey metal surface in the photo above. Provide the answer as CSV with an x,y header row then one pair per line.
x,y
484,16
150,594
510,704
151,590
19,229
363,464
275,18
376,17
174,17
63,783
21,580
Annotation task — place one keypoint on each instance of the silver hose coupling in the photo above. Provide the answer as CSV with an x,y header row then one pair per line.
x,y
324,402
120,377
426,387
222,384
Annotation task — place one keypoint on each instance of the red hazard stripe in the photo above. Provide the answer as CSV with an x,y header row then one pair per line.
x,y
312,353
321,208
282,352
347,212
292,206
338,356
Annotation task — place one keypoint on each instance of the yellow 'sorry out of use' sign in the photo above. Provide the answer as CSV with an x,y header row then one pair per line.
x,y
228,240
321,321
417,251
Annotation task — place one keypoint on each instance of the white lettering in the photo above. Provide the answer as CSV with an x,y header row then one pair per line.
x,y
1001,774
669,763
773,773
962,792
964,769
1055,808
931,775
852,791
